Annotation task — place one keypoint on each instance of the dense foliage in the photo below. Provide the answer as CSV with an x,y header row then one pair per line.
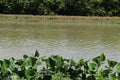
x,y
61,7
57,68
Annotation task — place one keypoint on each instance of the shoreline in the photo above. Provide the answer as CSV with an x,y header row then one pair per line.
x,y
58,17
10,18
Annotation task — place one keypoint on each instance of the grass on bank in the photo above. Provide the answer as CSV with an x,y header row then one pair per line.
x,y
56,67
59,19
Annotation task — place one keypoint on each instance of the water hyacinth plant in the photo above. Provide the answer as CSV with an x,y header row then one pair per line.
x,y
58,68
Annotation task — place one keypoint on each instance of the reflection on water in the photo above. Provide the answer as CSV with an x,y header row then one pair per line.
x,y
78,41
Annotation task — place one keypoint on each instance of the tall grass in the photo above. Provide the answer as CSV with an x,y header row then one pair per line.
x,y
58,17
35,19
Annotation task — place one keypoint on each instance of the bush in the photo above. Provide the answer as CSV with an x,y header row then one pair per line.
x,y
58,68
61,7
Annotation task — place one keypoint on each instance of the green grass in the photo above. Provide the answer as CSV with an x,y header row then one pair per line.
x,y
59,19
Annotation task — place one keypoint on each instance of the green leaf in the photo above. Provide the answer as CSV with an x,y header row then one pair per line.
x,y
118,67
36,54
26,65
112,76
100,75
58,60
111,63
30,73
93,66
5,64
32,60
99,60
14,76
25,56
102,57
50,62
20,62
106,72
81,63
72,62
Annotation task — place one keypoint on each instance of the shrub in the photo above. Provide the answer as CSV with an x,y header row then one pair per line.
x,y
58,68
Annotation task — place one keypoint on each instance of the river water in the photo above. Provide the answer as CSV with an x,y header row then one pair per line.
x,y
68,40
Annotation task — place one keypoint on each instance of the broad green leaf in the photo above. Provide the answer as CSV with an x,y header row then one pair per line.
x,y
99,60
14,76
118,67
100,75
106,72
32,60
5,64
102,57
50,62
92,66
59,60
111,63
81,63
19,62
38,62
27,64
112,76
30,72
72,62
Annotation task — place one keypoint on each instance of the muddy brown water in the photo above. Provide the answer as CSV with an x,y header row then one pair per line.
x,y
69,40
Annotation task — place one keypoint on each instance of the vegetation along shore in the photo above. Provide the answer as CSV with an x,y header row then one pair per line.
x,y
36,67
9,18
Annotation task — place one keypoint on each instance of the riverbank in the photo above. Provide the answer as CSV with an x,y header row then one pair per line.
x,y
70,19
58,17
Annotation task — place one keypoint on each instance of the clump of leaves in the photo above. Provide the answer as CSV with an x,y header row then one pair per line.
x,y
58,68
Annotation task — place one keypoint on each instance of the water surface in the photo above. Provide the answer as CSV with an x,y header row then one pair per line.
x,y
69,40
